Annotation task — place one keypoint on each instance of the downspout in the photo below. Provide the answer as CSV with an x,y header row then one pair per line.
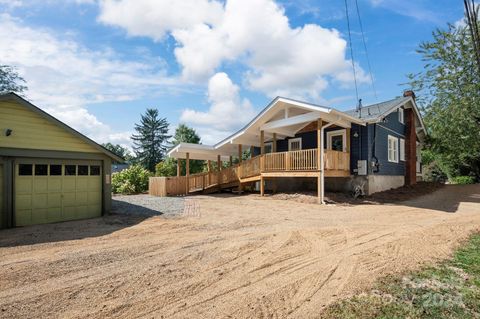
x,y
322,164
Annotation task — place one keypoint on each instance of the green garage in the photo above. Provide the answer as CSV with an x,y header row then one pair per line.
x,y
48,171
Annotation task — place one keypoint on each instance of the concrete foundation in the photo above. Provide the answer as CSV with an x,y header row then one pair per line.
x,y
379,183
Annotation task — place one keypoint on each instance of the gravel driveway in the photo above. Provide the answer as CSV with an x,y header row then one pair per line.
x,y
146,205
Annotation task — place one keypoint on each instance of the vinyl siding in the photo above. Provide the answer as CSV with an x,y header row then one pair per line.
x,y
394,128
359,146
32,131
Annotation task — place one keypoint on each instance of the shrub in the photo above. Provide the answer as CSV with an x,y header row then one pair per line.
x,y
132,180
463,180
166,168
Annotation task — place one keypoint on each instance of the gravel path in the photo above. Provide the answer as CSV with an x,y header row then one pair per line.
x,y
146,205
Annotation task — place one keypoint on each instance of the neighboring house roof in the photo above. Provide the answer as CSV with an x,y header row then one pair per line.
x,y
376,111
14,97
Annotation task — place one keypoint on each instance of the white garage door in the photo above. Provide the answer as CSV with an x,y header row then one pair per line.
x,y
58,191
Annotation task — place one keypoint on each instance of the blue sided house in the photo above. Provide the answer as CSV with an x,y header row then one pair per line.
x,y
299,146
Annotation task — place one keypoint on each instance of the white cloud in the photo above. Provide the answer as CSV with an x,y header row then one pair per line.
x,y
298,62
64,76
154,18
226,113
416,9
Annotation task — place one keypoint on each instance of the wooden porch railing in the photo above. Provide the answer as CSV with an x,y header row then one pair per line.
x,y
303,160
251,167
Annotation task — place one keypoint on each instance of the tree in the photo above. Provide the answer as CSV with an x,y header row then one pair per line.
x,y
168,167
121,151
151,140
10,81
449,90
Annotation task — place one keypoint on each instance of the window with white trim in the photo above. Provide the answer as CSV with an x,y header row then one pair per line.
x,y
392,149
295,144
268,147
402,149
337,140
401,116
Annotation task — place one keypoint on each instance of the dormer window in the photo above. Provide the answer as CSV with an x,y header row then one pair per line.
x,y
401,116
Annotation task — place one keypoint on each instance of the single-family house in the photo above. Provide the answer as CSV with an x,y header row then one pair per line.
x,y
48,171
296,145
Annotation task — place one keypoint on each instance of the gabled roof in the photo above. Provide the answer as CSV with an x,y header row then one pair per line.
x,y
327,111
14,97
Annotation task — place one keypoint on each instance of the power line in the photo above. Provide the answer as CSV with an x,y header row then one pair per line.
x,y
351,50
366,50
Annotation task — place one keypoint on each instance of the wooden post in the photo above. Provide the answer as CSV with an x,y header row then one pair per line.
x,y
262,142
179,167
252,149
240,152
347,147
274,143
262,186
274,150
319,161
209,164
187,172
231,160
219,167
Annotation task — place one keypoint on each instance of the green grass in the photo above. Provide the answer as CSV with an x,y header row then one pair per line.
x,y
450,289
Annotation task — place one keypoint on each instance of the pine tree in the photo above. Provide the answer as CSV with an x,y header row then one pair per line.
x,y
151,139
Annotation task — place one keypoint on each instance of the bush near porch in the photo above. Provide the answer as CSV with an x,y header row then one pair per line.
x,y
132,180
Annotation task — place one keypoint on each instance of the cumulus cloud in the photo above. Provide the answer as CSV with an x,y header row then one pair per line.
x,y
279,59
227,110
64,76
155,18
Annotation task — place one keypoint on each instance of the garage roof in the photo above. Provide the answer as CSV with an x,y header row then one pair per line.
x,y
14,97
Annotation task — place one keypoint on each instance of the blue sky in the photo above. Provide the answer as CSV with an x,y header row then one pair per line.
x,y
97,65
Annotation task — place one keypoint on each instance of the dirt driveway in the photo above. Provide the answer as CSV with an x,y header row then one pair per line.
x,y
229,257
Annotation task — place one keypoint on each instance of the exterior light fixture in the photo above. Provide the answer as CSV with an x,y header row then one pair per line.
x,y
8,132
355,134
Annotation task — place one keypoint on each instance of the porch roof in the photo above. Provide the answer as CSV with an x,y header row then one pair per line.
x,y
202,152
285,117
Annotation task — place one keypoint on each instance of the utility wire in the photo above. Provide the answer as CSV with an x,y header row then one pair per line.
x,y
351,50
366,50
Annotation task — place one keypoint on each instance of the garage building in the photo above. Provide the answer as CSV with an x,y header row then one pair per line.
x,y
48,171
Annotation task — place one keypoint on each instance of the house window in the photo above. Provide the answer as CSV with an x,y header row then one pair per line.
x,y
268,147
295,144
402,149
392,149
337,140
401,116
